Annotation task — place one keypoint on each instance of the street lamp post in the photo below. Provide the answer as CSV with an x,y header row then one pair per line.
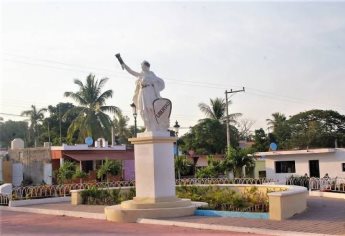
x,y
176,129
135,114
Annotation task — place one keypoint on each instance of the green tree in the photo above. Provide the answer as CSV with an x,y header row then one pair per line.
x,y
237,158
13,129
281,129
207,137
261,142
52,124
278,119
109,167
214,168
317,128
35,118
182,166
79,174
122,132
66,172
91,118
217,110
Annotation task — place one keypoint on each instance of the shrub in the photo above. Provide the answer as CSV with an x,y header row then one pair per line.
x,y
224,198
66,171
95,196
109,167
79,174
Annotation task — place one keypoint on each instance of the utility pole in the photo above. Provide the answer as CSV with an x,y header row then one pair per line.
x,y
227,115
60,123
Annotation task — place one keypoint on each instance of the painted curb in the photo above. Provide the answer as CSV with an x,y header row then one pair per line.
x,y
80,214
226,228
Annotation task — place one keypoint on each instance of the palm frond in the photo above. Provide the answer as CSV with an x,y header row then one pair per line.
x,y
76,97
107,94
78,82
111,109
102,82
206,109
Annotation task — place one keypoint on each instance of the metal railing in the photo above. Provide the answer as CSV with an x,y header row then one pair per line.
x,y
45,191
327,184
4,200
197,181
323,184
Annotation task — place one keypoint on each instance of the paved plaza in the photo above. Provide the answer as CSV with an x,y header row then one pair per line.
x,y
324,216
19,223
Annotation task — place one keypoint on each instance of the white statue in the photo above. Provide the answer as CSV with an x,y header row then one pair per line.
x,y
147,90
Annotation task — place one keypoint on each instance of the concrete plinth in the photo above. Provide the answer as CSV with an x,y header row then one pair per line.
x,y
154,182
130,211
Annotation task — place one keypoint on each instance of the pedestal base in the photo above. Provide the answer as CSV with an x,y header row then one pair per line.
x,y
131,211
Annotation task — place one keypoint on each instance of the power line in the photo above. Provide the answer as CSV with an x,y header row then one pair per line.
x,y
250,90
8,114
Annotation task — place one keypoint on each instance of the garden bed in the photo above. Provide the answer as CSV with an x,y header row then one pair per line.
x,y
225,199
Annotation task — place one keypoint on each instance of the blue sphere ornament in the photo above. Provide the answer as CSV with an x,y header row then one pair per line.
x,y
89,141
273,146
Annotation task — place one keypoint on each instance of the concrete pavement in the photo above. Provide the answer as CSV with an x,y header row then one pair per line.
x,y
19,223
324,216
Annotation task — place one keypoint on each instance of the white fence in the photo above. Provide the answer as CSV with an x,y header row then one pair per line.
x,y
327,184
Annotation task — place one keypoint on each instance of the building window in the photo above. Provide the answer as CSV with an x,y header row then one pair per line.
x,y
285,167
343,167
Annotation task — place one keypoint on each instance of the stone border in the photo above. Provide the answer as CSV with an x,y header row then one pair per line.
x,y
19,203
282,204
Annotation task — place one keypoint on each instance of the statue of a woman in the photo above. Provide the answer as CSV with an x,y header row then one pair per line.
x,y
148,88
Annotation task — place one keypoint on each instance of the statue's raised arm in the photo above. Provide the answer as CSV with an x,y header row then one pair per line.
x,y
129,70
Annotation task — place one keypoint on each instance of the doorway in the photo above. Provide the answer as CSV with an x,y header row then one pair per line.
x,y
314,168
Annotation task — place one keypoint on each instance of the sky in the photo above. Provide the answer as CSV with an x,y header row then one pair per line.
x,y
289,56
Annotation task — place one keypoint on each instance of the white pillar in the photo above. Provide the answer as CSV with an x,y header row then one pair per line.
x,y
154,182
61,161
154,167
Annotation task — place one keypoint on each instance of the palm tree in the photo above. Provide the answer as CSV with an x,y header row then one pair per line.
x,y
182,166
35,116
217,110
278,119
237,158
120,123
91,118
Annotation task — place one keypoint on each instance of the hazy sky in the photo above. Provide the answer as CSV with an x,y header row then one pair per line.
x,y
290,56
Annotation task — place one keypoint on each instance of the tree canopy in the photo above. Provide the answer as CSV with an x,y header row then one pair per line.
x,y
309,129
35,118
13,129
208,137
91,119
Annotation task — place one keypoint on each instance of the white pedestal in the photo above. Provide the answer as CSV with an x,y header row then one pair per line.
x,y
154,167
154,180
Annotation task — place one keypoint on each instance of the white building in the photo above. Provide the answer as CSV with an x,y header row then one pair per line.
x,y
313,162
